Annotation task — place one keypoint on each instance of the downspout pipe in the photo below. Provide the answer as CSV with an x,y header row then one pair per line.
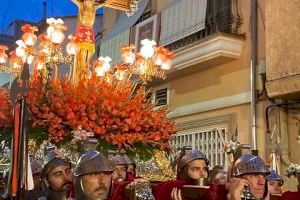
x,y
254,55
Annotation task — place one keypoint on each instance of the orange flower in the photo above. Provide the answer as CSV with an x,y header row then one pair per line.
x,y
107,109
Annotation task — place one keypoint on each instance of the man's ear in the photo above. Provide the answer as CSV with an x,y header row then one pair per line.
x,y
45,180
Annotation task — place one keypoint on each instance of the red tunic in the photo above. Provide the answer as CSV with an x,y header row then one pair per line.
x,y
118,191
163,191
130,177
291,196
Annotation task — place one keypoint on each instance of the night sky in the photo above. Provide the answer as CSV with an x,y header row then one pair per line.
x,y
32,10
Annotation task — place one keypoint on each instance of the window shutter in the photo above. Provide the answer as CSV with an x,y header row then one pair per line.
x,y
161,97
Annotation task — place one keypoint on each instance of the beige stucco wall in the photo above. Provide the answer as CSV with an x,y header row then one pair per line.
x,y
283,38
283,72
283,44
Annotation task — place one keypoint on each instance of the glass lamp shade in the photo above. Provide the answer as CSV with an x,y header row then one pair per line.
x,y
30,59
3,57
72,48
39,63
29,38
50,30
57,37
121,72
105,62
20,51
159,59
100,71
147,49
128,57
167,64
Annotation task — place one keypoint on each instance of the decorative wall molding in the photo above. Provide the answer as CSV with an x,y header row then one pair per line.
x,y
213,104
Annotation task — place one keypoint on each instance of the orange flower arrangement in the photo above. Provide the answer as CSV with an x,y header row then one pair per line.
x,y
105,108
5,109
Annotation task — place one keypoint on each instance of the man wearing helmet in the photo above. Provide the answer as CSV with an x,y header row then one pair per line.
x,y
249,182
119,166
275,183
93,176
57,176
192,165
130,165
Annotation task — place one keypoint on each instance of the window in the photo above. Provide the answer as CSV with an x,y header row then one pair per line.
x,y
159,97
147,29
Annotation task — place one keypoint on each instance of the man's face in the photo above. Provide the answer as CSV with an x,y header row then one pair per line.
x,y
119,173
130,169
274,187
60,178
257,184
96,185
197,169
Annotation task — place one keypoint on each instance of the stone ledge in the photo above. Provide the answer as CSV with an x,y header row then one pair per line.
x,y
285,88
217,49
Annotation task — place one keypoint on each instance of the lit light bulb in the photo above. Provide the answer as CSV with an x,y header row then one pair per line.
x,y
128,57
106,62
3,57
20,51
147,49
167,64
50,30
159,59
57,37
100,71
72,48
29,39
30,59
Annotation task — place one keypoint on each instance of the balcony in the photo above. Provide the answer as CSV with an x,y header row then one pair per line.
x,y
217,43
202,33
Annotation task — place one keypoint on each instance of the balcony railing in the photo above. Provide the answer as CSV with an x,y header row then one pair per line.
x,y
219,18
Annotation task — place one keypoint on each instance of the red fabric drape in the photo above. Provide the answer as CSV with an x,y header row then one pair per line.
x,y
16,141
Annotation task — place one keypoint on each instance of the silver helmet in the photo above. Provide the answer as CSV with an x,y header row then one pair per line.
x,y
92,162
118,160
189,156
128,160
51,160
36,166
274,176
249,164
